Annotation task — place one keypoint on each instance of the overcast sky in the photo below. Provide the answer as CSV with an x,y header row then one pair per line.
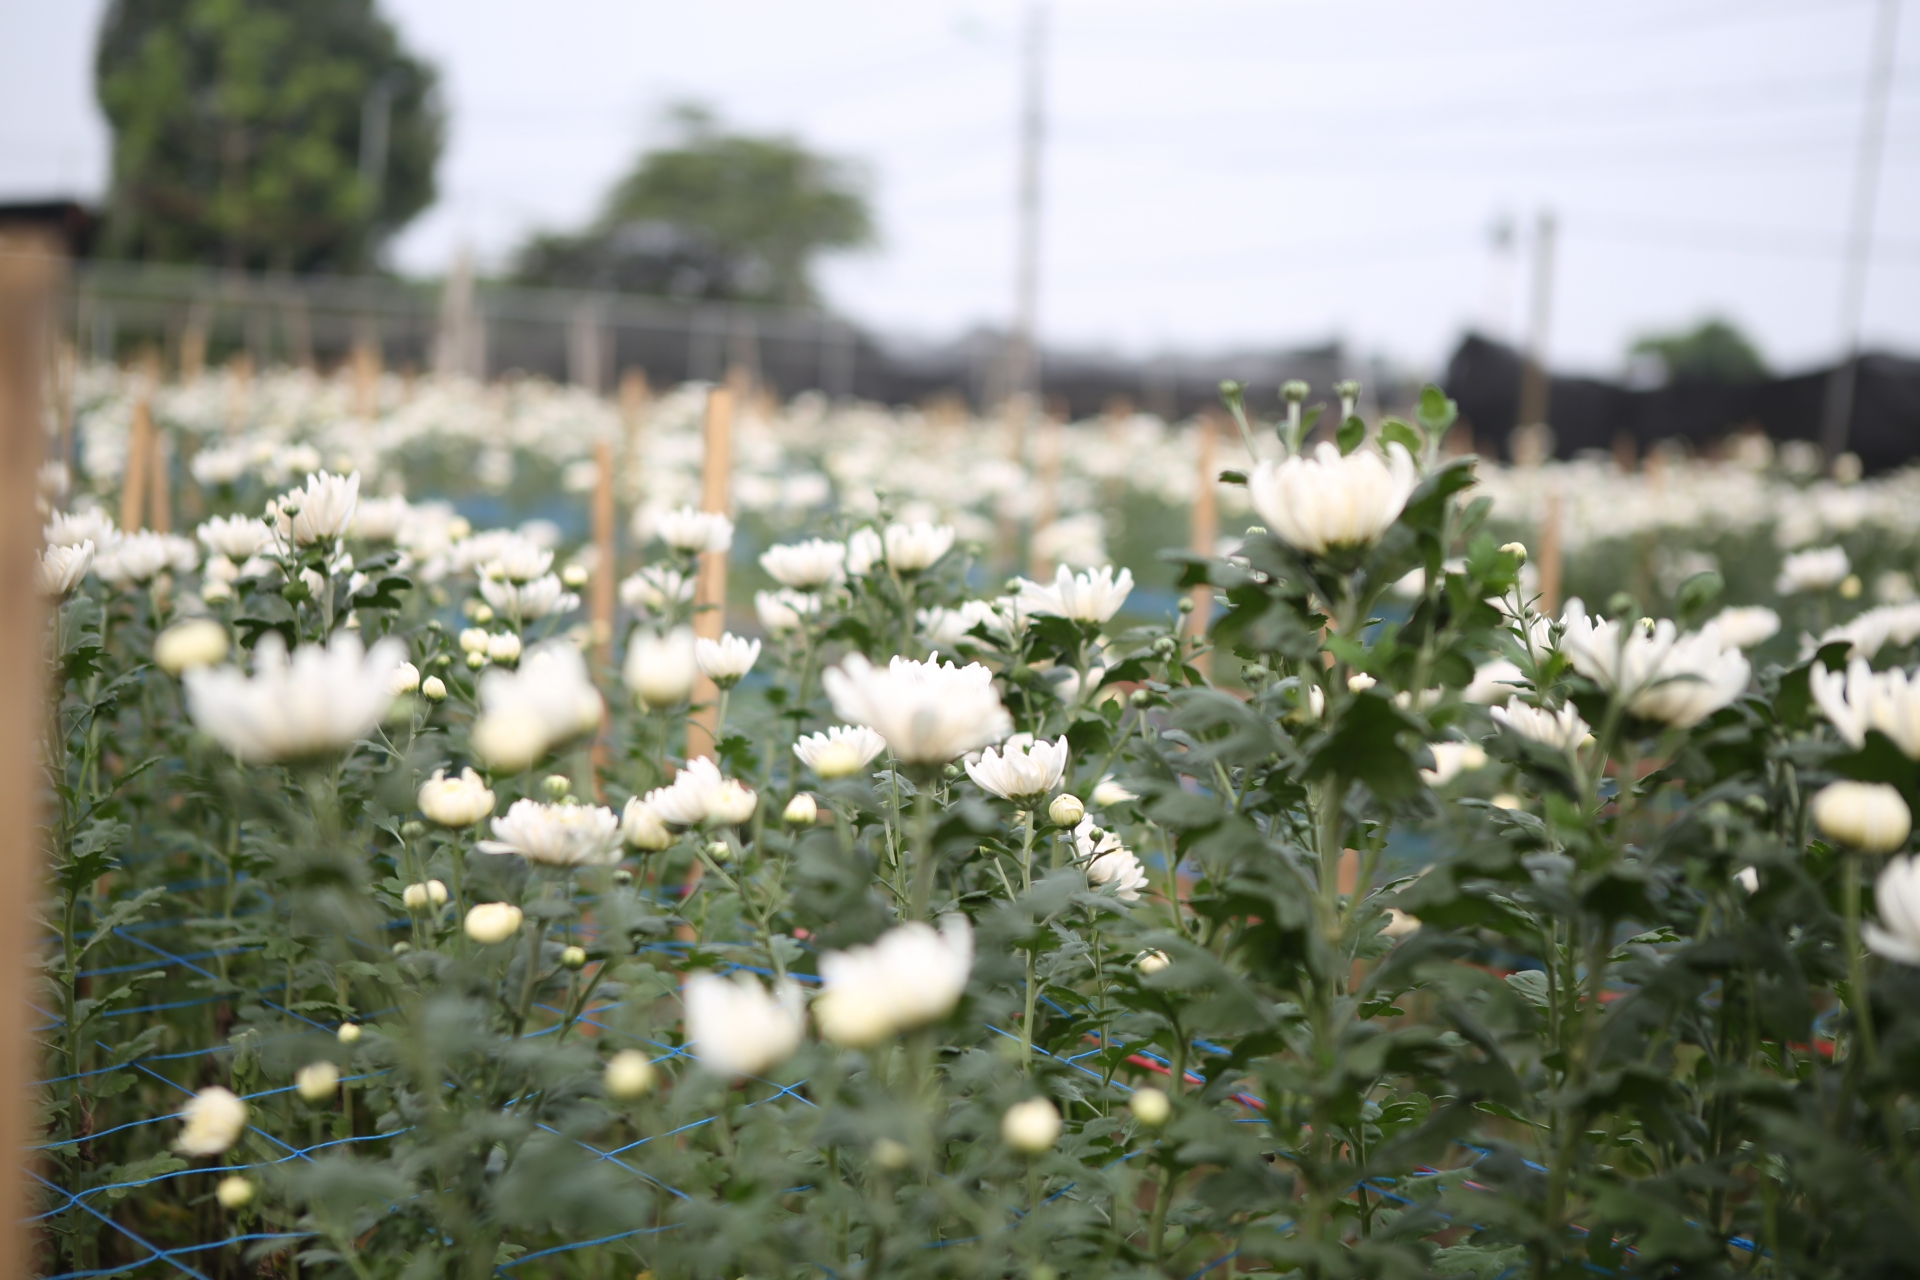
x,y
1217,173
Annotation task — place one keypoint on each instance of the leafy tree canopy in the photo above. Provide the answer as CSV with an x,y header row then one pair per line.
x,y
1712,351
250,135
715,214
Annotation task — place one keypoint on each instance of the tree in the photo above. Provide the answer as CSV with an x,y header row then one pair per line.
x,y
294,136
1713,351
714,215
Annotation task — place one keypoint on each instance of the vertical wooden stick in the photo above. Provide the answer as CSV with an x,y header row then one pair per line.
x,y
31,271
159,498
1546,555
1204,531
606,569
710,596
134,477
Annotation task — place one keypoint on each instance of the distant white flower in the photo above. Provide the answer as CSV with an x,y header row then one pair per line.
x,y
380,519
1360,682
1896,900
690,532
238,538
726,660
1152,962
233,1191
735,1027
1744,626
1107,861
1817,570
540,598
1093,596
1108,793
699,794
801,811
61,569
517,560
944,628
906,978
806,566
491,922
526,712
220,465
864,551
455,802
1659,673
1873,630
71,528
1320,500
1867,699
1150,1106
474,640
557,835
317,1081
1494,681
1562,730
656,589
629,1074
1022,770
642,827
323,700
841,751
784,611
141,556
406,678
1400,923
215,1119
660,670
1869,816
929,713
1031,1127
321,511
428,893
914,547
513,551
1451,759
194,642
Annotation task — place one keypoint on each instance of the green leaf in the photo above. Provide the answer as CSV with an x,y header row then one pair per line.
x,y
1435,412
1350,434
1394,431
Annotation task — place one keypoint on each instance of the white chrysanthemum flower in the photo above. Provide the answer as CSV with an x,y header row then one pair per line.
x,y
543,597
71,528
1871,631
406,679
141,556
944,628
929,713
238,538
912,548
690,532
526,712
321,511
806,566
841,751
455,802
908,977
785,611
1107,793
1093,596
215,1119
1031,1127
726,660
1867,699
1562,730
518,560
491,922
61,569
656,589
864,551
736,1027
1659,673
190,643
1022,770
1820,569
1451,759
221,464
323,700
1869,816
1494,681
317,1081
699,795
661,670
1321,500
1108,862
497,546
557,835
1744,626
642,827
1896,900
380,519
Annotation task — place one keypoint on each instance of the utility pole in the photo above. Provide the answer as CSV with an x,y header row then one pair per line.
x,y
1022,359
1837,418
1533,369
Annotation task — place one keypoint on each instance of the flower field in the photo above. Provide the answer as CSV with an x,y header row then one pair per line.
x,y
872,863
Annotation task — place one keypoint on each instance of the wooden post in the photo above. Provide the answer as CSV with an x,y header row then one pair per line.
x,y
606,569
134,476
710,595
31,280
633,414
159,499
1204,530
1546,556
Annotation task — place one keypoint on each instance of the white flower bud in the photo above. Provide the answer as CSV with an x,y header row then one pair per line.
x,y
474,640
349,1033
575,576
1400,923
801,811
1868,816
455,802
197,642
492,922
890,1154
642,828
1516,549
215,1118
234,1192
1150,1106
503,648
1152,962
629,1074
574,958
1066,810
1030,1127
434,689
406,678
317,1081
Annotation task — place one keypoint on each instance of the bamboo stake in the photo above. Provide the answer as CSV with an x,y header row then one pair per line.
x,y
1204,531
134,477
710,595
31,279
606,569
159,498
1547,556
